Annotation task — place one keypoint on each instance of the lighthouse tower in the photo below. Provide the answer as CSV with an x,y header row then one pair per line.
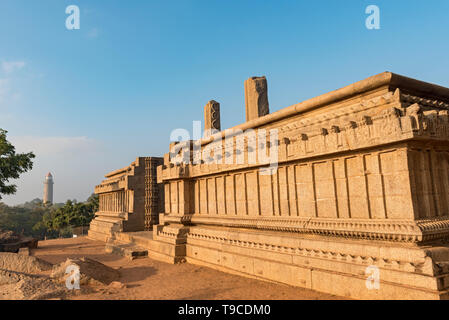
x,y
48,189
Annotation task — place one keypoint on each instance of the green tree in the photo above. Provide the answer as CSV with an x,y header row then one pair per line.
x,y
12,164
93,202
72,214
23,220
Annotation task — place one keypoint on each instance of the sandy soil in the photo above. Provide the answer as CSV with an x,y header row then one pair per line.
x,y
151,279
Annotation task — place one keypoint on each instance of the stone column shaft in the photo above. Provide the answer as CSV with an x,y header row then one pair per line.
x,y
256,98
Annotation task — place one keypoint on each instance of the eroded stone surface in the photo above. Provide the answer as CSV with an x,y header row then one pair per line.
x,y
361,179
19,286
8,237
12,242
211,118
256,98
91,271
22,263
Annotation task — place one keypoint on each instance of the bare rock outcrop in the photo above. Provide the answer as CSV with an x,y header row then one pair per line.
x,y
22,263
12,242
91,271
21,286
8,237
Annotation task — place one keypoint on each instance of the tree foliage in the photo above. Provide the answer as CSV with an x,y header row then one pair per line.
x,y
12,164
72,214
43,221
26,221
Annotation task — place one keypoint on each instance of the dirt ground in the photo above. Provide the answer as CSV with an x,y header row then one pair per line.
x,y
150,279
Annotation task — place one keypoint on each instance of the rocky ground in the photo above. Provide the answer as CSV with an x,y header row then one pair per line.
x,y
105,276
8,237
13,242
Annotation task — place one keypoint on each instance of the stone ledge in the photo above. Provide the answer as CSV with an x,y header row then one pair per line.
x,y
127,250
372,229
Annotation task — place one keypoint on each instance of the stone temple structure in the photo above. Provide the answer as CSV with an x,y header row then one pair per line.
x,y
359,193
48,189
129,200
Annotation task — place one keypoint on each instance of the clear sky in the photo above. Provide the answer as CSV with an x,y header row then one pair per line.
x,y
89,101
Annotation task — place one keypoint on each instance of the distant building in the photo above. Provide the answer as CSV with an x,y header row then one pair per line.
x,y
48,188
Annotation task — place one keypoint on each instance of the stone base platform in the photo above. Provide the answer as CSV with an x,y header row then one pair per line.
x,y
103,228
327,264
135,243
127,250
331,265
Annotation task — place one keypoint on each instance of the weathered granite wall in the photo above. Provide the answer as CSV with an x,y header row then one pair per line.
x,y
361,180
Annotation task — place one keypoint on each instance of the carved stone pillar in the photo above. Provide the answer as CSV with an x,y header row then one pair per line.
x,y
211,117
256,98
153,192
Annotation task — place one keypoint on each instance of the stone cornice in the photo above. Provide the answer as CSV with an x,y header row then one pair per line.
x,y
431,103
112,185
375,229
388,80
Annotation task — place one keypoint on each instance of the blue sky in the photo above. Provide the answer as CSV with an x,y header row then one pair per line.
x,y
89,101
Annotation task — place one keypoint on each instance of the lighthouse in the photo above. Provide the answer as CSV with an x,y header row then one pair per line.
x,y
48,189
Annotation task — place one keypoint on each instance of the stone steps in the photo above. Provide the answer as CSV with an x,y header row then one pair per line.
x,y
104,228
127,250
